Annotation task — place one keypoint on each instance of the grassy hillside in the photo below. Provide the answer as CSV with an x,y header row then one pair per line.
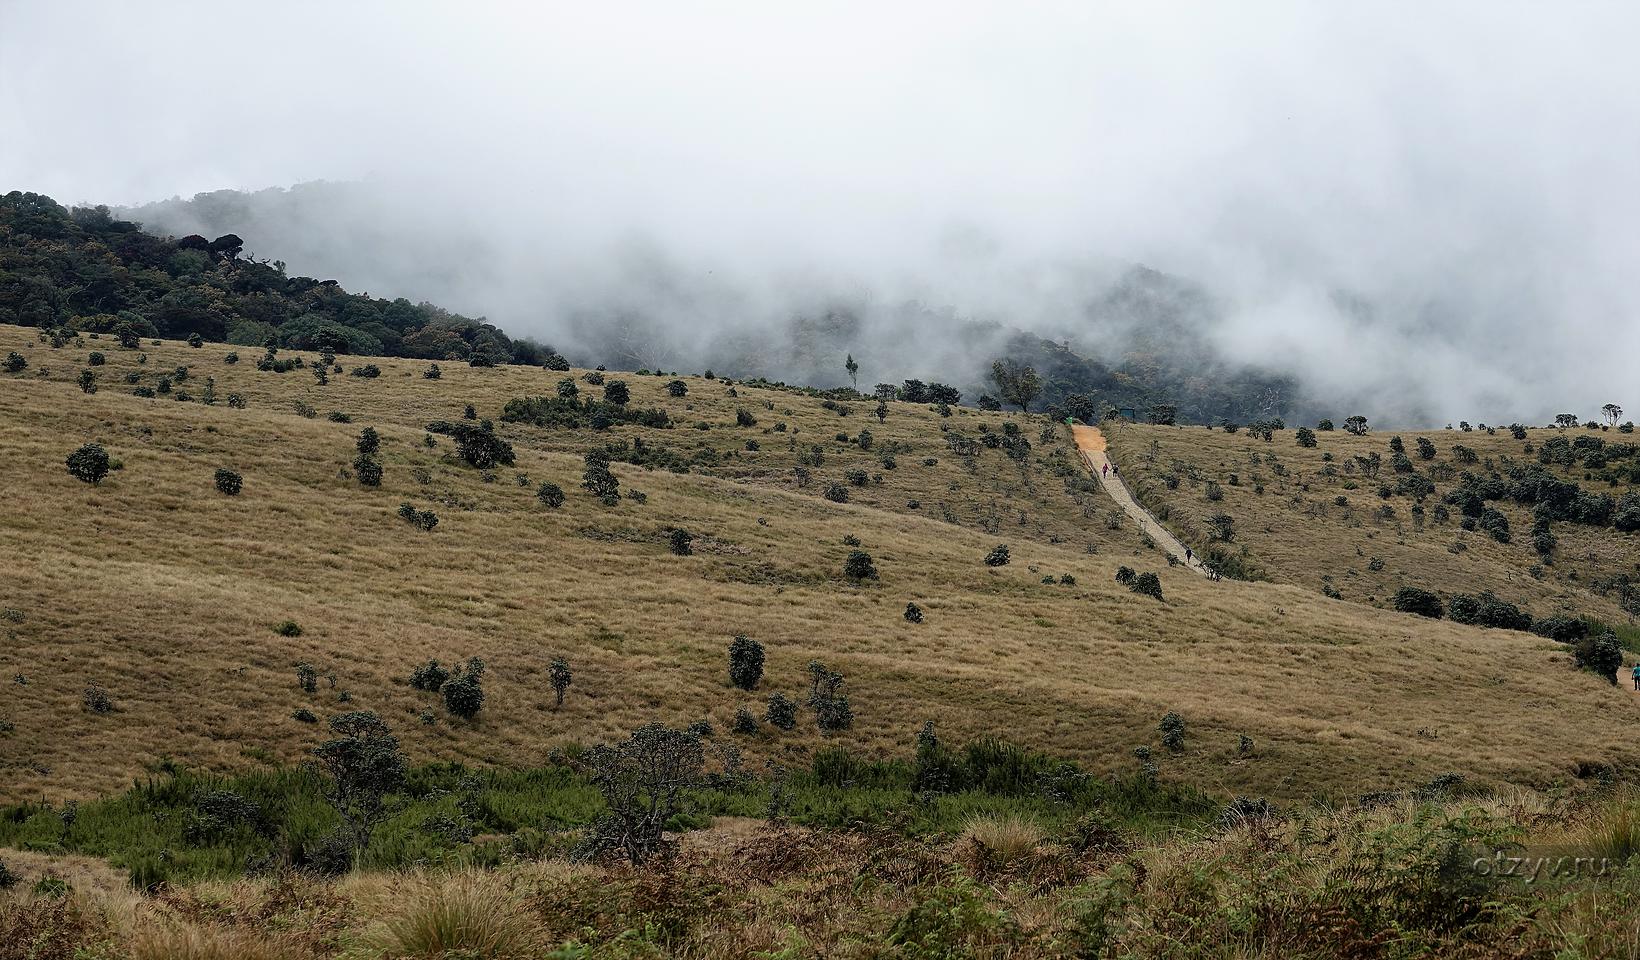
x,y
166,593
1314,517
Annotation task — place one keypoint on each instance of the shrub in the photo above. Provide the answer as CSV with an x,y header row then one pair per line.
x,y
369,442
337,416
682,542
1561,628
745,662
1148,584
430,676
369,371
89,463
550,495
858,566
15,362
236,401
424,520
677,388
1172,730
288,628
479,446
913,613
96,359
643,782
1602,654
307,677
998,557
1424,603
96,699
744,418
195,341
1487,610
1305,437
228,482
368,470
616,392
745,723
836,492
432,372
559,676
781,712
463,691
87,382
1125,576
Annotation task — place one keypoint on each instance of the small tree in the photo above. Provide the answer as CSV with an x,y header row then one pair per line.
x,y
744,418
643,782
832,711
228,482
16,362
882,411
1305,436
745,662
598,480
369,442
998,557
1148,584
858,566
682,542
1565,421
307,677
559,676
1426,449
89,463
853,371
1611,412
87,382
616,392
550,494
363,765
1324,425
1017,383
1356,425
677,388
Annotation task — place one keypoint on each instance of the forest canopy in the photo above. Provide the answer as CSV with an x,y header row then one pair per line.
x,y
84,268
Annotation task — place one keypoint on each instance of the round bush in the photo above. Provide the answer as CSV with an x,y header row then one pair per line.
x,y
228,482
89,463
550,495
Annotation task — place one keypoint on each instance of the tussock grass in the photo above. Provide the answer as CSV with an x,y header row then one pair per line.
x,y
1007,838
469,914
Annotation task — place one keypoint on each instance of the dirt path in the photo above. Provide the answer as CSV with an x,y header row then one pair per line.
x,y
1091,442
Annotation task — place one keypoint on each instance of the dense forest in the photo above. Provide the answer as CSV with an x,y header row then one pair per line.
x,y
85,268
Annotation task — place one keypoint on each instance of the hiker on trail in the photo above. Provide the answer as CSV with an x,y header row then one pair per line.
x,y
1105,470
1637,676
1188,556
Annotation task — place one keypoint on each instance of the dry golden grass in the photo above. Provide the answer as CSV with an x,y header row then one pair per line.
x,y
1295,532
165,592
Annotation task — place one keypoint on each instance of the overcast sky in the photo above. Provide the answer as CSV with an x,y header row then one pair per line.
x,y
1470,170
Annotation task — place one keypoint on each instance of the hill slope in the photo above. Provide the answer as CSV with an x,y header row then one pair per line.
x,y
166,593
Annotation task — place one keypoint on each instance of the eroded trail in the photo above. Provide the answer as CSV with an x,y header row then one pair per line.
x,y
1090,441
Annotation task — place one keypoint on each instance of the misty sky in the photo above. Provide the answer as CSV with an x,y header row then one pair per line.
x,y
1469,171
